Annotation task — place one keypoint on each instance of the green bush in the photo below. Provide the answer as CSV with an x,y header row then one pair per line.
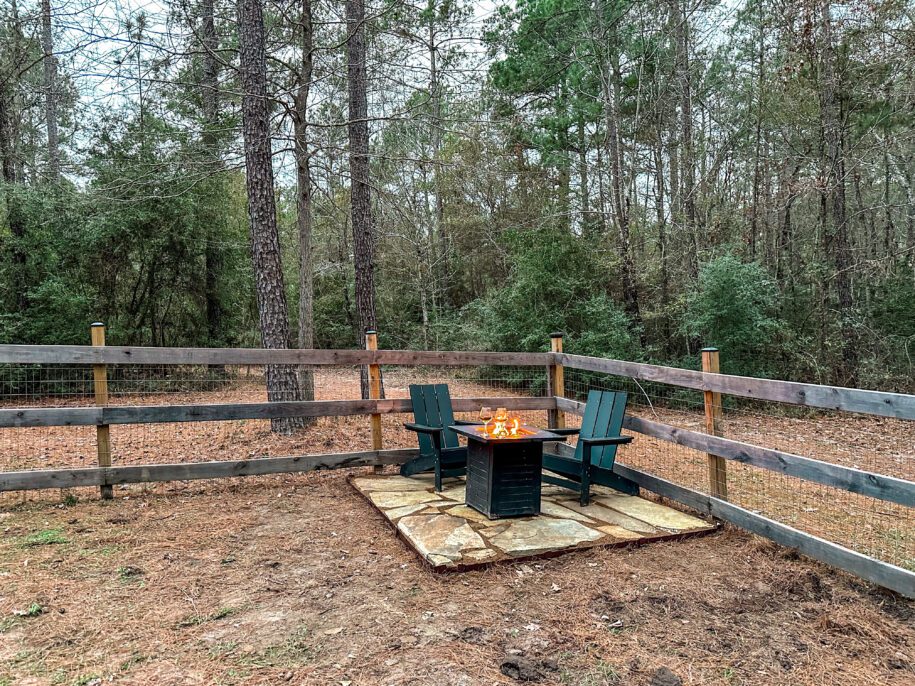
x,y
736,308
557,283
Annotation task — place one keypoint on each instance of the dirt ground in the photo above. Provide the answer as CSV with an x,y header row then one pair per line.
x,y
298,580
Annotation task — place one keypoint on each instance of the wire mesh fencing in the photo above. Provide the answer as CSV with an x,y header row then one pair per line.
x,y
878,528
62,447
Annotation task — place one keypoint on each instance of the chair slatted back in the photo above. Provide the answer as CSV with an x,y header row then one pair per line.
x,y
432,407
603,418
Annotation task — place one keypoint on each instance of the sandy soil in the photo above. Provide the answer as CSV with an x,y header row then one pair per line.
x,y
298,580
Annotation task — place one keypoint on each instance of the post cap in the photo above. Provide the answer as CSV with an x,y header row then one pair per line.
x,y
369,332
557,334
710,350
98,323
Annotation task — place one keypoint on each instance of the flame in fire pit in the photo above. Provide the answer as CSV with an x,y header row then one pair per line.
x,y
504,426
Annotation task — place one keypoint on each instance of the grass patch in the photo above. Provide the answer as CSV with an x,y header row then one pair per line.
x,y
295,651
44,537
197,620
132,661
221,648
602,674
129,573
32,610
107,550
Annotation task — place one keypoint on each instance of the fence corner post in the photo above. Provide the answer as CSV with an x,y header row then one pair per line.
x,y
371,343
717,466
100,387
557,418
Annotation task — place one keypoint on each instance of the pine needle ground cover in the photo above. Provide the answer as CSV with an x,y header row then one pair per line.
x,y
299,580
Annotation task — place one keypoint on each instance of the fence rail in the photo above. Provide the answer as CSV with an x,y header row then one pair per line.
x,y
157,414
846,478
134,474
723,450
879,403
113,354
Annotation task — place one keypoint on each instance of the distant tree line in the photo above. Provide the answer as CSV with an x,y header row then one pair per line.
x,y
650,177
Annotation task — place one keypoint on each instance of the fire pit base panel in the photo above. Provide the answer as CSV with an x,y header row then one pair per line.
x,y
503,479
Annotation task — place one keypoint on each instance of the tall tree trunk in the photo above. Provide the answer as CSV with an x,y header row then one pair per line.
x,y
282,383
435,121
687,158
787,193
209,93
360,193
10,162
50,88
303,187
663,266
831,113
758,145
619,199
587,221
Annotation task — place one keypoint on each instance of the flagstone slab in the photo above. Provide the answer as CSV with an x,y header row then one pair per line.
x,y
398,512
610,516
448,534
481,555
441,535
455,493
538,534
389,499
620,533
651,512
548,507
470,514
391,483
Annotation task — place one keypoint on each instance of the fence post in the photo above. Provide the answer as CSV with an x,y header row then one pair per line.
x,y
717,466
100,386
557,418
371,343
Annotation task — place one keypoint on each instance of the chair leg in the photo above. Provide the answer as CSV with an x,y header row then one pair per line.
x,y
585,495
438,476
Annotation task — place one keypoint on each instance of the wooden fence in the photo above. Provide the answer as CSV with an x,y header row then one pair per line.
x,y
719,449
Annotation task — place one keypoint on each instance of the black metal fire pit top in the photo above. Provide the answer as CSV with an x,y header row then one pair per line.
x,y
526,433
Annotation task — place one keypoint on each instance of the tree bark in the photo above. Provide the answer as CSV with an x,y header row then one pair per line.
x,y
831,113
587,222
619,199
210,100
10,162
50,86
282,383
304,202
360,190
687,160
435,97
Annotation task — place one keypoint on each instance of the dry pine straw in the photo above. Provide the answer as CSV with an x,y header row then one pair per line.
x,y
297,580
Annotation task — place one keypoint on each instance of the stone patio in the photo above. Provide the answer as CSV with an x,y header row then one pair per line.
x,y
449,535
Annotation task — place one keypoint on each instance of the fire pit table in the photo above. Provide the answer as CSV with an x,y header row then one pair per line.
x,y
503,472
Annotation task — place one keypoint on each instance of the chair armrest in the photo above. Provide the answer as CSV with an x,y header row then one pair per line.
x,y
612,440
564,432
422,429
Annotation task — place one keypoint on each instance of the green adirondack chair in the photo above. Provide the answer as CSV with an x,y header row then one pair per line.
x,y
598,440
439,449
